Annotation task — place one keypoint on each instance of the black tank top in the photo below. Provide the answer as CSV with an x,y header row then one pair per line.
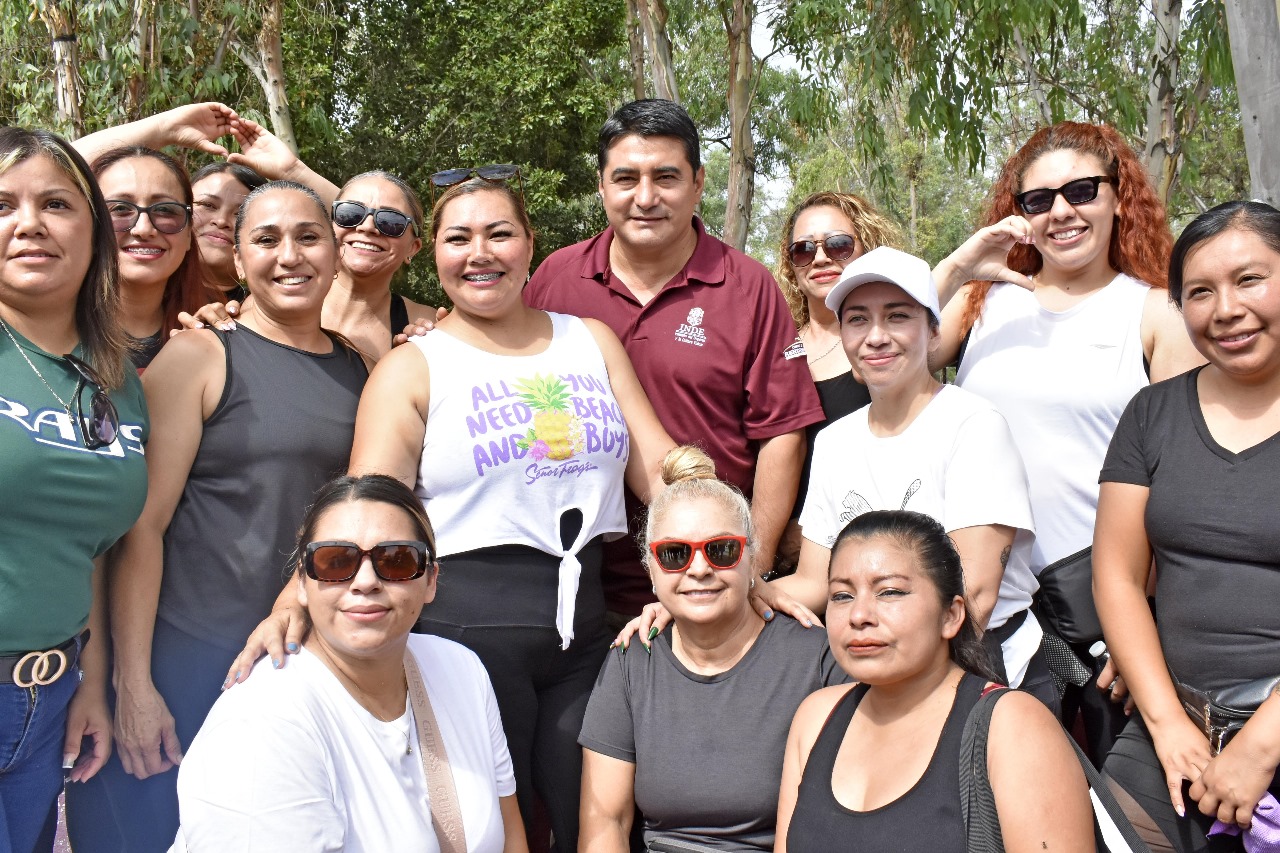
x,y
927,817
840,395
399,315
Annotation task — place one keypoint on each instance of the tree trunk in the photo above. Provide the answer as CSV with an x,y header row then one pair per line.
x,y
266,61
140,38
1164,139
1254,28
1034,86
742,150
635,41
653,15
60,18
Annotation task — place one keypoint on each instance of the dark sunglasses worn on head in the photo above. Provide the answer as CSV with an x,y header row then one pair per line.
x,y
102,424
1079,191
338,562
497,173
676,555
167,217
838,247
388,221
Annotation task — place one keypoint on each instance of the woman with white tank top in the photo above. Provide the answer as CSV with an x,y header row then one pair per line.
x,y
1058,311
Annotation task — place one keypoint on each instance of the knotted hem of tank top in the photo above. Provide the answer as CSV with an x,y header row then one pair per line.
x,y
567,587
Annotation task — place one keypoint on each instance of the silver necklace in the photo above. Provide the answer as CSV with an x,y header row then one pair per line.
x,y
830,350
65,405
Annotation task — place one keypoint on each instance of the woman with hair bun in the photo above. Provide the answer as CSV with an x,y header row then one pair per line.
x,y
1064,317
671,721
876,766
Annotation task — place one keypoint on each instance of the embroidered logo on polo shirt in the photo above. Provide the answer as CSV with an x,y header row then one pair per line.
x,y
795,350
691,331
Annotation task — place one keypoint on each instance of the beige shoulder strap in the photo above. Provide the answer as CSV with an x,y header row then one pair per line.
x,y
446,814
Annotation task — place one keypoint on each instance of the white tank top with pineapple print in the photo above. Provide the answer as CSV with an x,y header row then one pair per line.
x,y
513,442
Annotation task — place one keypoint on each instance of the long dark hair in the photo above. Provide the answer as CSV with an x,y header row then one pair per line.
x,y
1256,217
185,290
245,176
106,346
936,554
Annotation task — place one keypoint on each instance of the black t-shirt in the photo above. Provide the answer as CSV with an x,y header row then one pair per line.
x,y
1213,520
708,749
146,349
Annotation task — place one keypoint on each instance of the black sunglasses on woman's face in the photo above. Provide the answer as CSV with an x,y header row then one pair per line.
x,y
388,221
1079,191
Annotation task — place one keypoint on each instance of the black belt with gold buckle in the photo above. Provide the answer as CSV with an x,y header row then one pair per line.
x,y
42,668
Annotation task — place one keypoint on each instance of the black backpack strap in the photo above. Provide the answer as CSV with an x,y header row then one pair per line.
x,y
977,800
1104,800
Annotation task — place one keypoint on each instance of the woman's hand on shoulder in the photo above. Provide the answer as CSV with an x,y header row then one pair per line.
x,y
770,600
278,635
420,325
1042,797
214,314
651,622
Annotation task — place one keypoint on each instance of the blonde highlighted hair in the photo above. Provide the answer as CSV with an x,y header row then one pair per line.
x,y
871,229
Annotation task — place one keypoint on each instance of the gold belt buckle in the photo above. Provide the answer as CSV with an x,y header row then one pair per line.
x,y
41,664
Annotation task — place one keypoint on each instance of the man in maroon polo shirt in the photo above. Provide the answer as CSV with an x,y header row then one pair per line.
x,y
706,327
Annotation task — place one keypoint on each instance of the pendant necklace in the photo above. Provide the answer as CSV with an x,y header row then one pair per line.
x,y
65,405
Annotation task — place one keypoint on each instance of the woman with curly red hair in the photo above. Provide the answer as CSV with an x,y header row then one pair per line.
x,y
1059,312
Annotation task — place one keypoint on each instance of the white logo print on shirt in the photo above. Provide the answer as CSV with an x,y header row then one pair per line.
x,y
691,331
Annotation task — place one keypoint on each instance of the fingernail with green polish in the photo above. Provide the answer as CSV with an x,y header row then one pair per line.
x,y
653,632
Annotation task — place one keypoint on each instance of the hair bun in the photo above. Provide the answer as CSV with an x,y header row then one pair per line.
x,y
687,462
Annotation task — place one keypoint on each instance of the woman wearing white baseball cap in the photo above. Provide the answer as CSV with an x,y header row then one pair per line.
x,y
928,447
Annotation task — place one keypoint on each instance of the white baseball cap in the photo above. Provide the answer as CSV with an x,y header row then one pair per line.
x,y
910,273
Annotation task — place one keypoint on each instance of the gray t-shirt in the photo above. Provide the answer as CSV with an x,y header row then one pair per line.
x,y
708,749
1211,521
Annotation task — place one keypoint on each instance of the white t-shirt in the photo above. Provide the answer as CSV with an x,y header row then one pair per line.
x,y
289,761
956,462
1062,379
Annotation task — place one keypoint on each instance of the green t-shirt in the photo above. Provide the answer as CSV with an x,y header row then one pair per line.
x,y
61,505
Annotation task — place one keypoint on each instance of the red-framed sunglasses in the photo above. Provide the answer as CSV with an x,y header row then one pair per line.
x,y
676,555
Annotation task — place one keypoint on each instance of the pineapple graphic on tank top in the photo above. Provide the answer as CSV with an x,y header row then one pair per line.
x,y
555,433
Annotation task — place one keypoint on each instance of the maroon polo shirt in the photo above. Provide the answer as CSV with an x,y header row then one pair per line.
x,y
716,351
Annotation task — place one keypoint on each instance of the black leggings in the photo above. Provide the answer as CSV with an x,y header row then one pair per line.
x,y
1134,766
500,603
